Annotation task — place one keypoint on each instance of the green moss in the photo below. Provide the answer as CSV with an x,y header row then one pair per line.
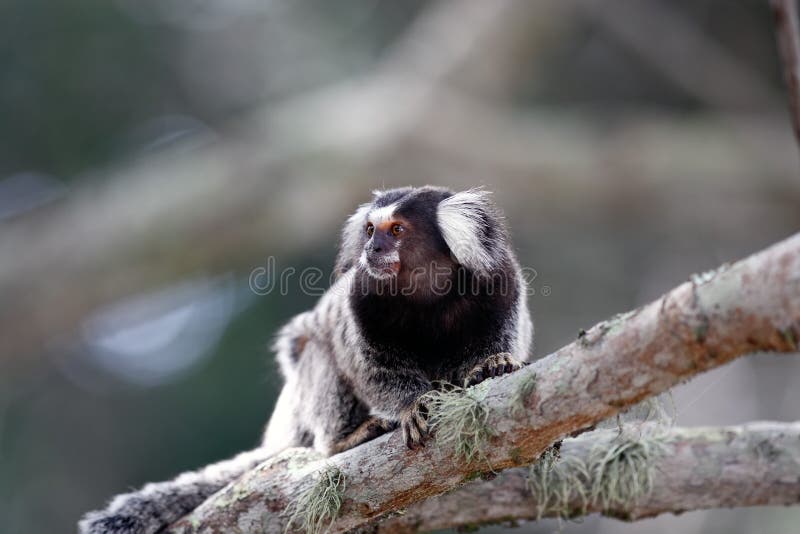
x,y
315,510
459,417
298,458
616,322
231,496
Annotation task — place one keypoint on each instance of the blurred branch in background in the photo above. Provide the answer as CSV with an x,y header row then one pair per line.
x,y
168,217
660,34
757,464
787,31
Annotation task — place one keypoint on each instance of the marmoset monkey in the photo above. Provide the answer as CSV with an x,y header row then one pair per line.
x,y
429,291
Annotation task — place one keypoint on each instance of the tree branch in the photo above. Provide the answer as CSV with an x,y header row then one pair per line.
x,y
751,306
660,34
217,212
695,468
787,32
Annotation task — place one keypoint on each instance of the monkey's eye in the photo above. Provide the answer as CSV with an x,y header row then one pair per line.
x,y
370,229
397,230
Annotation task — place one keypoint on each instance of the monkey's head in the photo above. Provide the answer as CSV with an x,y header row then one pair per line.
x,y
418,237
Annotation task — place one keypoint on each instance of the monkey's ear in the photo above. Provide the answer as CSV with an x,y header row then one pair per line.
x,y
473,229
352,240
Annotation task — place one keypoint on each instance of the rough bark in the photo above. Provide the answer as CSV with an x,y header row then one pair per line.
x,y
751,306
697,468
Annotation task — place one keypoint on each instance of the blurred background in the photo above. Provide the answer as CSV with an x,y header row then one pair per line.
x,y
170,171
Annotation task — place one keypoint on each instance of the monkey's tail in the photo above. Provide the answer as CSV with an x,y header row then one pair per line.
x,y
157,505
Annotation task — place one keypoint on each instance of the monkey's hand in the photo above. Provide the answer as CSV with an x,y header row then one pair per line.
x,y
496,365
414,421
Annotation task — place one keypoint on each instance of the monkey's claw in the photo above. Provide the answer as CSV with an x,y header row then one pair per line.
x,y
414,421
496,365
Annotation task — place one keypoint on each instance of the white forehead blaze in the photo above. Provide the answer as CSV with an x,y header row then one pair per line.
x,y
459,218
359,215
382,215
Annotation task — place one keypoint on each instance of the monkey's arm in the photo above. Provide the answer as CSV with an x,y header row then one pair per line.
x,y
391,387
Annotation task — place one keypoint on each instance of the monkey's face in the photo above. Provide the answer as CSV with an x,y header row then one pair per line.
x,y
381,256
404,245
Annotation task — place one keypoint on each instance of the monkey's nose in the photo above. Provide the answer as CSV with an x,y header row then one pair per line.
x,y
380,243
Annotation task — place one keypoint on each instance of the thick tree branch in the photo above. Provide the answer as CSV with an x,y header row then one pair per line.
x,y
695,468
787,31
751,306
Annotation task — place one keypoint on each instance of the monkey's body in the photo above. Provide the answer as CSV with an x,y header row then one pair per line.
x,y
384,334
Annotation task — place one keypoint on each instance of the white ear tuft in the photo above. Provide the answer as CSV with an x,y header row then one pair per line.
x,y
463,220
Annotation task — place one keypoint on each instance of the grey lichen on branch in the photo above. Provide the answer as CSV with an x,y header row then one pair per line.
x,y
315,510
748,307
459,419
611,476
676,469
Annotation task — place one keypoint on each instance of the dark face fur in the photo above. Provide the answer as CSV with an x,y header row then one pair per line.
x,y
426,262
404,249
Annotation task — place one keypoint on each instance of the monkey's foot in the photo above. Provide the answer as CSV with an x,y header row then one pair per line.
x,y
366,431
496,365
414,421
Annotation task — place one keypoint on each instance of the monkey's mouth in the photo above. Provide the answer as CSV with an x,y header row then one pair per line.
x,y
383,267
391,268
